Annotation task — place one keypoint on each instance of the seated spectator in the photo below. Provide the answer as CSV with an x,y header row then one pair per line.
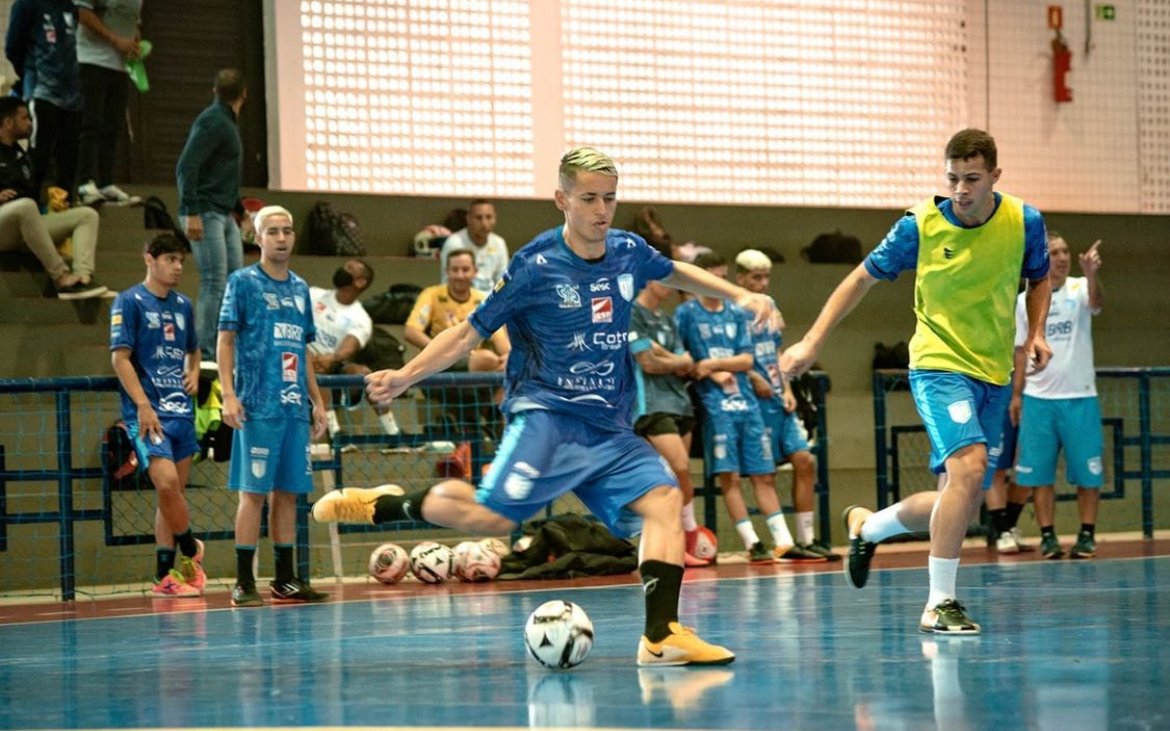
x,y
441,306
490,251
343,328
21,222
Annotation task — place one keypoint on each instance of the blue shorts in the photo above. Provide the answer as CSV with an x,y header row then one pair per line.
x,y
271,454
786,434
958,411
545,454
178,442
1007,445
1047,426
738,444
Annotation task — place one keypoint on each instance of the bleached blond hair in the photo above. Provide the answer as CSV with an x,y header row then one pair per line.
x,y
266,212
585,159
751,260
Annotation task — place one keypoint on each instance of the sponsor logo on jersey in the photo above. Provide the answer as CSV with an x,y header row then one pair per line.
x,y
578,343
603,309
116,319
288,331
584,367
288,367
601,285
299,301
291,394
611,341
168,331
152,320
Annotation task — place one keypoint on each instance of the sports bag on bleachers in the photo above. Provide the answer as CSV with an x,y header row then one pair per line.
x,y
332,233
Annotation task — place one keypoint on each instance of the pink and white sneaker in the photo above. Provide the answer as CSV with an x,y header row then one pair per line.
x,y
172,586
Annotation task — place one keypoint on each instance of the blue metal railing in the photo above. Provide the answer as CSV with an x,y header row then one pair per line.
x,y
887,473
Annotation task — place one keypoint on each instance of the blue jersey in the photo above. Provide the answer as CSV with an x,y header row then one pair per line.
x,y
159,333
569,323
766,355
722,334
273,322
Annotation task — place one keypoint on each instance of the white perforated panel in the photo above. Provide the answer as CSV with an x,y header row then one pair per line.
x,y
1153,52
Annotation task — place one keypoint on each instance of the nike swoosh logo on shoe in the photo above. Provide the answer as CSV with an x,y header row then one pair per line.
x,y
655,654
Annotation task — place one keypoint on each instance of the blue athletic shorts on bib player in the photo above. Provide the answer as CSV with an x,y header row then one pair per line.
x,y
271,454
545,454
785,432
1007,445
957,411
1073,424
178,442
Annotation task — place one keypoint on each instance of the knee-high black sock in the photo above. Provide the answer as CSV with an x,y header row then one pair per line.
x,y
284,562
244,557
1013,513
164,561
999,520
186,543
400,507
661,582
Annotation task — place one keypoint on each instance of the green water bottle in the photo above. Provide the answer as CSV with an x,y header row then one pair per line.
x,y
136,67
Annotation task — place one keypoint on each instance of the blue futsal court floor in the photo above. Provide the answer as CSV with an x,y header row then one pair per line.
x,y
1066,646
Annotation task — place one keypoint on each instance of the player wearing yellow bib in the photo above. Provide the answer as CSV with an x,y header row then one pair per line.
x,y
969,252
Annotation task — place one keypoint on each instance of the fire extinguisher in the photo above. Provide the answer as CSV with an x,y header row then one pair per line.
x,y
1061,64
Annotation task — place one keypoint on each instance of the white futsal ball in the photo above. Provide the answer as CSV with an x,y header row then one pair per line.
x,y
476,562
431,563
558,634
389,563
496,545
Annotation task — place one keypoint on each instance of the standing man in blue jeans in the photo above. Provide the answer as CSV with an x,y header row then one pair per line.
x,y
209,191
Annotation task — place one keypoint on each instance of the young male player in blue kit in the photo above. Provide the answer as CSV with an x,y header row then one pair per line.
x,y
969,252
566,299
155,354
271,400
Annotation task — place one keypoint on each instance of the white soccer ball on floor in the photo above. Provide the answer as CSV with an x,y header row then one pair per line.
x,y
431,563
389,563
476,562
495,544
706,545
558,634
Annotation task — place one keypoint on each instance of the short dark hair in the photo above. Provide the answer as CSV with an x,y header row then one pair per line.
x,y
367,271
971,142
10,105
166,243
480,202
710,260
229,85
460,252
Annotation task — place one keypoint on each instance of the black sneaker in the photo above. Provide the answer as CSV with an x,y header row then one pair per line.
x,y
949,617
823,549
759,554
81,291
295,591
1085,547
245,595
799,554
860,550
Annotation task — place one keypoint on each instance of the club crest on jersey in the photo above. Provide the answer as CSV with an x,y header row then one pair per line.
x,y
626,286
299,301
272,301
603,309
288,367
180,320
152,320
570,299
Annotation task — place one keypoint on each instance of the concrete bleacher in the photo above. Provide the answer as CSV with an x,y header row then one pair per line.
x,y
45,337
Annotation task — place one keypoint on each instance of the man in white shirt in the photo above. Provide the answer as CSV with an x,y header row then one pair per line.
x,y
1059,407
491,252
343,328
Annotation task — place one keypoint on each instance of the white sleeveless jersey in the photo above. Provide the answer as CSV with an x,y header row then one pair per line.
x,y
1070,373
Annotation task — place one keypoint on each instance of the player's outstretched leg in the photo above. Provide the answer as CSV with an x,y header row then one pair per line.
x,y
860,551
352,504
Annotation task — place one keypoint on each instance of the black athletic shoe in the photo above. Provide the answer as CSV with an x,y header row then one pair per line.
x,y
246,596
823,549
860,550
948,618
295,591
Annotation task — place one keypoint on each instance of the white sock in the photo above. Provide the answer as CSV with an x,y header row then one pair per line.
x,y
389,423
747,532
804,528
334,425
882,525
688,517
942,580
779,530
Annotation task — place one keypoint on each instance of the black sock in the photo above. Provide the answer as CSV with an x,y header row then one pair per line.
x,y
284,562
186,544
164,561
1047,530
1088,528
389,508
244,557
661,583
1013,513
999,520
